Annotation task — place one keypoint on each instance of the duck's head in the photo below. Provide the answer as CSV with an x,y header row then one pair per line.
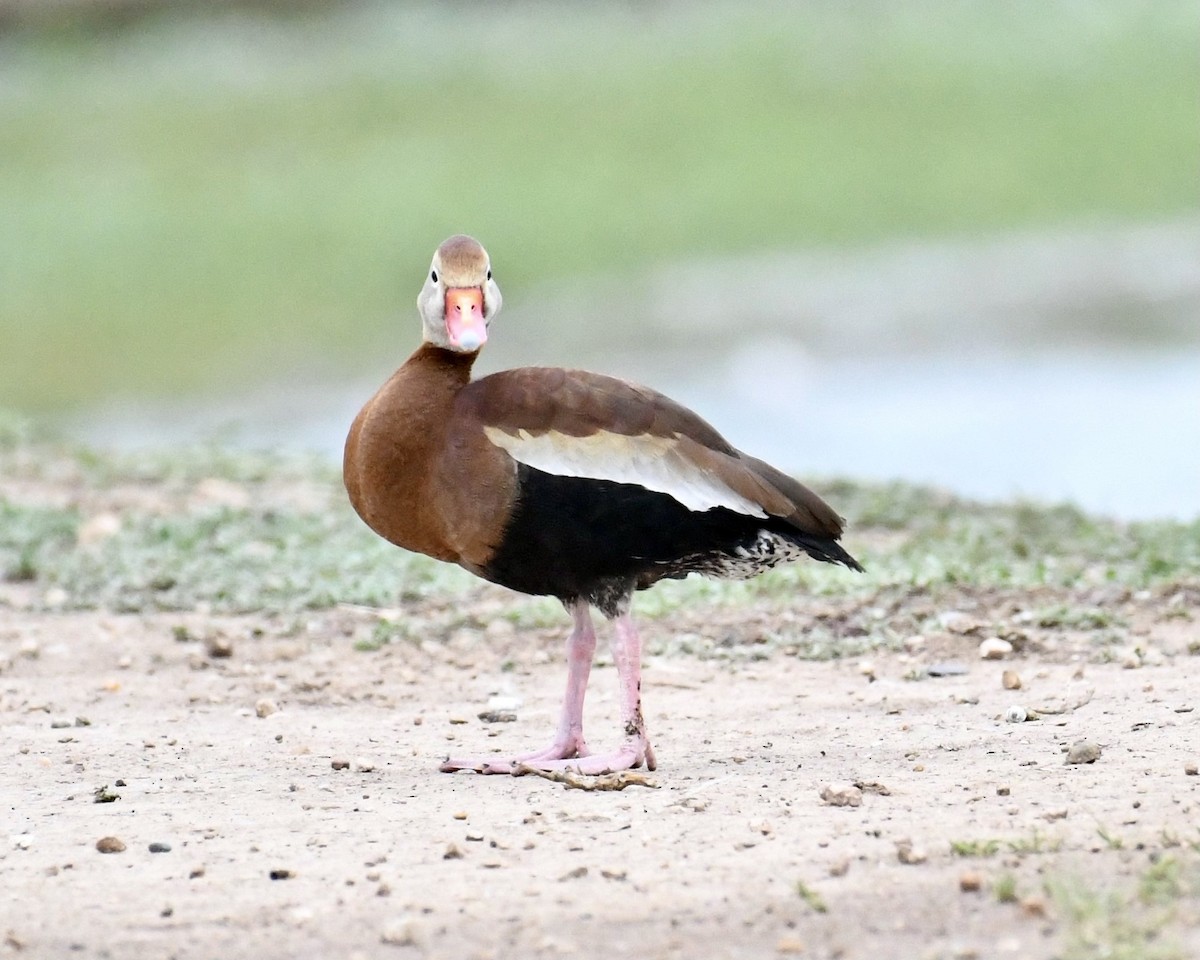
x,y
459,298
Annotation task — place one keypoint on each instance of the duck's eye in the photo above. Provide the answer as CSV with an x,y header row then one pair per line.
x,y
489,274
433,276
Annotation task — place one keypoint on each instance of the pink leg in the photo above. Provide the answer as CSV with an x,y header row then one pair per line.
x,y
568,742
636,749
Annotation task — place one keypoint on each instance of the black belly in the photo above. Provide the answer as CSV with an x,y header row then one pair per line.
x,y
573,538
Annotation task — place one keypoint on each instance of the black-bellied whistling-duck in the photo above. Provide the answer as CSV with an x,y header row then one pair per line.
x,y
567,484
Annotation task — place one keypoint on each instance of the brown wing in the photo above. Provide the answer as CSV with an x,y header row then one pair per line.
x,y
583,424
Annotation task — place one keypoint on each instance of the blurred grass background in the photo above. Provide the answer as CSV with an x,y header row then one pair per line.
x,y
195,199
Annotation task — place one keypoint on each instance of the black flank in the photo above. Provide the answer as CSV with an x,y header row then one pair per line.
x,y
573,537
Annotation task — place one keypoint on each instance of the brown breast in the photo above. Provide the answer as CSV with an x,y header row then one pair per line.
x,y
419,469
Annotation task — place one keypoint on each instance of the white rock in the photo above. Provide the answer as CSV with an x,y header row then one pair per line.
x,y
841,795
98,528
403,932
1016,714
993,648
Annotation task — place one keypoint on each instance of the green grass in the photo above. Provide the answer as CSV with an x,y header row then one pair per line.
x,y
198,202
810,896
1124,923
974,848
1005,888
276,554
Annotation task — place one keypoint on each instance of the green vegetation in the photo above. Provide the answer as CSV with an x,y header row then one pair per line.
x,y
1005,888
1128,924
810,896
196,202
974,848
245,532
1034,843
1111,840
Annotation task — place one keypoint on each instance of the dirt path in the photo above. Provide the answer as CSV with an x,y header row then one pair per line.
x,y
732,853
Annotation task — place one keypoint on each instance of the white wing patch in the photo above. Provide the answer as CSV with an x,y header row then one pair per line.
x,y
652,462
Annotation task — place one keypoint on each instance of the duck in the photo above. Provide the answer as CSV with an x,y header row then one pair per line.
x,y
564,483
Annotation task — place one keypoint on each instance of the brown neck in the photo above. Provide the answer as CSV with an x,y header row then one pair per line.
x,y
456,367
394,440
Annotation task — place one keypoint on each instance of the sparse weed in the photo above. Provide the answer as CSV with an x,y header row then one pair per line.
x,y
1036,842
1112,841
974,848
810,896
1005,888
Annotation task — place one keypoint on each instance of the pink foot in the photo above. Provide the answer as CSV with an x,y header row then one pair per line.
x,y
560,750
631,755
568,741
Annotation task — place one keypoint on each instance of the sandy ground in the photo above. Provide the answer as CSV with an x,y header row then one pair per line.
x,y
388,857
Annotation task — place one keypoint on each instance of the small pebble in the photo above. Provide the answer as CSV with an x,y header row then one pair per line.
x,y
339,764
1010,680
842,795
1003,790
993,648
363,766
1191,769
60,723
453,852
160,847
948,668
404,932
265,707
1016,714
789,946
460,815
281,873
497,716
1083,751
98,528
1034,905
970,881
109,845
908,854
840,868
219,647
